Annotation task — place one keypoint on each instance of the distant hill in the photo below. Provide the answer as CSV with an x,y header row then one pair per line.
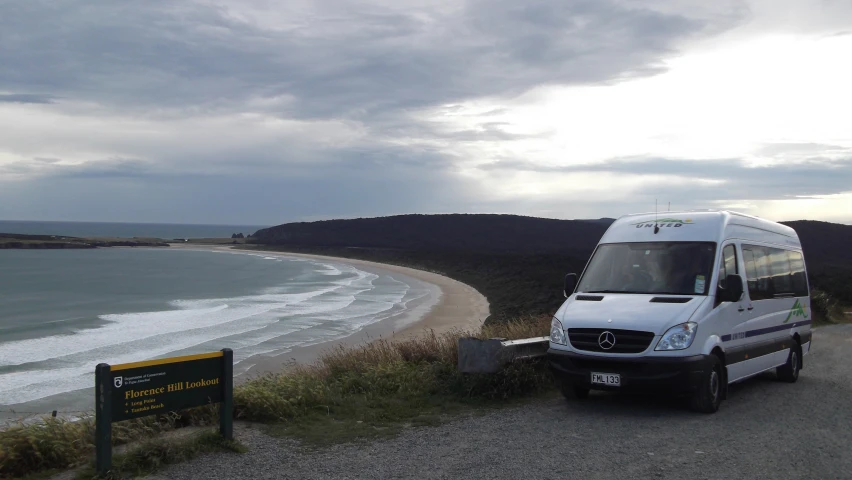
x,y
457,232
517,262
828,255
824,242
603,221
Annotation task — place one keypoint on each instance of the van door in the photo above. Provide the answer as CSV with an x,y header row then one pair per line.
x,y
730,318
764,340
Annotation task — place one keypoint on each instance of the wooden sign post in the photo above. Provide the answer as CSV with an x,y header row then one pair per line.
x,y
133,390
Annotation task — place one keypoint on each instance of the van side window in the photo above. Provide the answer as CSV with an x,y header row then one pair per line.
x,y
797,268
757,272
751,272
780,266
728,266
772,272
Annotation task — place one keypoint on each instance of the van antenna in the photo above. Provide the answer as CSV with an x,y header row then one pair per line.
x,y
656,227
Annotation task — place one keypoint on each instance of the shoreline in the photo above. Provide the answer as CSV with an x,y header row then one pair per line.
x,y
459,306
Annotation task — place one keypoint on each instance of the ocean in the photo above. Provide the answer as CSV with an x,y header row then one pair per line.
x,y
166,231
62,312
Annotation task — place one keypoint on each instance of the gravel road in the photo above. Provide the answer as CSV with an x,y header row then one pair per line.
x,y
765,430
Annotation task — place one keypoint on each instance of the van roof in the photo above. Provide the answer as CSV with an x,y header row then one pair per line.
x,y
696,225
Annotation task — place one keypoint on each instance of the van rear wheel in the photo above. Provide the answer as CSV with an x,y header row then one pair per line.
x,y
708,397
789,372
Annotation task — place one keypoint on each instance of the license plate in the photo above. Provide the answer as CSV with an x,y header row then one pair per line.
x,y
611,379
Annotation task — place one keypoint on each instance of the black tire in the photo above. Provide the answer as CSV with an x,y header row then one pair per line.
x,y
789,372
573,392
708,397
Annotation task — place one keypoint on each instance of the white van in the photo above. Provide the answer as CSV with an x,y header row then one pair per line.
x,y
686,303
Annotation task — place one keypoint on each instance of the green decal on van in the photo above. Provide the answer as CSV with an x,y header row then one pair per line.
x,y
798,310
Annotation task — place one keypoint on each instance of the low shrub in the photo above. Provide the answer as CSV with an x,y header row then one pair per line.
x,y
826,308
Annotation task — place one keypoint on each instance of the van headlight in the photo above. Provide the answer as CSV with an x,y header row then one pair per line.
x,y
678,337
557,333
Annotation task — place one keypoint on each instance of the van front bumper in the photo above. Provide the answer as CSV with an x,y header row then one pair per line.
x,y
675,375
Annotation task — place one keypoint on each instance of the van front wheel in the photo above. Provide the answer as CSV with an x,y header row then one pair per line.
x,y
708,397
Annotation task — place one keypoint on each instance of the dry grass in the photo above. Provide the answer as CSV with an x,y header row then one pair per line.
x,y
56,443
391,379
155,453
428,348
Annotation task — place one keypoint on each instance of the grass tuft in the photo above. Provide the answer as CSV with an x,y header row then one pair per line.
x,y
153,454
59,443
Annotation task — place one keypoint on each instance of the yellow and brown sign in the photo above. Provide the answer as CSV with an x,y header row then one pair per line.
x,y
169,384
133,390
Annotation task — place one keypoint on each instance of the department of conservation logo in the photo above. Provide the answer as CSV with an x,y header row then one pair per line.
x,y
665,222
118,382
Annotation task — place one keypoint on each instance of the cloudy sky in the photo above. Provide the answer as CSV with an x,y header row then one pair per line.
x,y
264,112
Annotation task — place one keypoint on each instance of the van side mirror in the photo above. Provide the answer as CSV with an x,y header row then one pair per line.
x,y
733,290
570,283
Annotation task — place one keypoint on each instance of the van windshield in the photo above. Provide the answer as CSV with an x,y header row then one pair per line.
x,y
678,268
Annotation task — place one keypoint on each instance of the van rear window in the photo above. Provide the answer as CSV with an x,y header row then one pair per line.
x,y
677,268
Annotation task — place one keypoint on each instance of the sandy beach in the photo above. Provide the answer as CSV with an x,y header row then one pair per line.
x,y
459,306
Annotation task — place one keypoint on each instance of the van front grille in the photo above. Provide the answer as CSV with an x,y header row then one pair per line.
x,y
626,341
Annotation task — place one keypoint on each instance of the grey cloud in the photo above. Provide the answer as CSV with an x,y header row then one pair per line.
x,y
269,161
335,60
815,176
493,112
16,168
344,190
26,98
332,59
339,62
107,168
491,131
773,149
491,49
376,182
681,191
486,131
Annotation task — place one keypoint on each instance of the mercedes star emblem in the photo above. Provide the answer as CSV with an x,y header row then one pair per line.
x,y
606,340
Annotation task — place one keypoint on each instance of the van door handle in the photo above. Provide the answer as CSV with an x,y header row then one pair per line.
x,y
741,309
750,308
